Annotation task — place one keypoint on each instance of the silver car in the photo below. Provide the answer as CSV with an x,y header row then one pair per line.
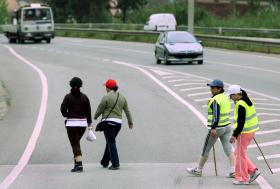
x,y
178,47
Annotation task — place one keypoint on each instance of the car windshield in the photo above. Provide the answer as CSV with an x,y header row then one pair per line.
x,y
180,37
37,15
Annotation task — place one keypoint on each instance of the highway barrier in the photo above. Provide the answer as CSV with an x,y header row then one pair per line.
x,y
238,43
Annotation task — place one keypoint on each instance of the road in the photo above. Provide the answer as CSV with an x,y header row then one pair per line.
x,y
168,104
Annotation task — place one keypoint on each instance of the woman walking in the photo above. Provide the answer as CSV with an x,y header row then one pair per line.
x,y
111,107
76,108
245,124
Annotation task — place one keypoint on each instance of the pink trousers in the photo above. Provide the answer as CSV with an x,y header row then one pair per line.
x,y
243,166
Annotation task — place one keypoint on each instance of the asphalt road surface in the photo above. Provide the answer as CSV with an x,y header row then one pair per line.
x,y
168,104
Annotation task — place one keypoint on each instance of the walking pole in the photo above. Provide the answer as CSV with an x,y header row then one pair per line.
x,y
263,156
214,154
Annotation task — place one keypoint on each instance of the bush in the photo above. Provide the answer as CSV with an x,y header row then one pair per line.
x,y
3,11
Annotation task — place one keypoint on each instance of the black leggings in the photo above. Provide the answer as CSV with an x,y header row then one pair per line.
x,y
75,134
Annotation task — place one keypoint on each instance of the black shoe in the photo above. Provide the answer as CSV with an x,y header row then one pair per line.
x,y
78,167
104,166
114,168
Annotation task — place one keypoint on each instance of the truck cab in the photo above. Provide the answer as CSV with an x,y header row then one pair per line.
x,y
31,22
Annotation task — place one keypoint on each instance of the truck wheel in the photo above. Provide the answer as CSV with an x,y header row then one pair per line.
x,y
37,41
12,40
200,62
20,40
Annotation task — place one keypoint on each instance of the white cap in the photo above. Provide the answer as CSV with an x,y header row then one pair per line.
x,y
234,89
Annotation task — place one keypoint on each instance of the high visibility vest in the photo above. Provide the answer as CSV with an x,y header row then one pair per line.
x,y
251,119
224,103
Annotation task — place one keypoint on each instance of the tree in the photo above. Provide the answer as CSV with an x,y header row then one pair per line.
x,y
80,11
3,11
128,5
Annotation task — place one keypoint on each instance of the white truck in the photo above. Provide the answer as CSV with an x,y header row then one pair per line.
x,y
31,22
161,22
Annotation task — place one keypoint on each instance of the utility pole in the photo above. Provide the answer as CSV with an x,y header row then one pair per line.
x,y
190,15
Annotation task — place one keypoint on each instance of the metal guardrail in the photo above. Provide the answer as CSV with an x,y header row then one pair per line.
x,y
213,39
206,30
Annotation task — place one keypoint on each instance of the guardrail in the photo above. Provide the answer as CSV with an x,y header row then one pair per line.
x,y
203,30
241,43
268,46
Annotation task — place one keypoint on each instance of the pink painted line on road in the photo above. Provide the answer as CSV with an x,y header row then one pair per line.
x,y
37,129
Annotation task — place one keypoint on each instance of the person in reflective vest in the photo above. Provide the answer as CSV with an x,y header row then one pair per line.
x,y
245,126
219,126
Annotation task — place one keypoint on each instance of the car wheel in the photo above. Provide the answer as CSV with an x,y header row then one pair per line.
x,y
158,61
48,40
200,62
166,59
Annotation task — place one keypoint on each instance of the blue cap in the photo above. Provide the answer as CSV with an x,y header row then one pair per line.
x,y
216,83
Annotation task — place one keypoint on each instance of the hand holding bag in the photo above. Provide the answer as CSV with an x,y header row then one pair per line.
x,y
91,136
102,124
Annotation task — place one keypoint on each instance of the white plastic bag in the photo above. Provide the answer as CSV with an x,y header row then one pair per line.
x,y
91,136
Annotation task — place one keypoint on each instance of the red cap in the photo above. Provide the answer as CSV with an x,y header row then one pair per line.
x,y
110,83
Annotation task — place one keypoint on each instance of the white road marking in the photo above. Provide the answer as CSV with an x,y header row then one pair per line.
x,y
239,66
268,114
186,84
259,99
199,94
113,48
207,79
202,99
276,170
177,80
271,143
161,73
194,88
173,76
24,159
266,104
268,132
268,109
269,121
261,181
269,157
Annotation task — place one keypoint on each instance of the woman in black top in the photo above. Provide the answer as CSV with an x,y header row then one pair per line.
x,y
76,108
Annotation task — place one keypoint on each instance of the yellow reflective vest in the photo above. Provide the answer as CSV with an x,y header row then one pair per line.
x,y
225,106
251,119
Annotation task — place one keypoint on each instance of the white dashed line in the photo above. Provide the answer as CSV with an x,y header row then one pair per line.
x,y
267,104
271,143
192,89
268,114
276,170
176,80
199,94
269,157
186,84
202,99
269,121
173,76
268,109
162,73
268,132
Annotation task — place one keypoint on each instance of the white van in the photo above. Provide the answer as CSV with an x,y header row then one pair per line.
x,y
161,22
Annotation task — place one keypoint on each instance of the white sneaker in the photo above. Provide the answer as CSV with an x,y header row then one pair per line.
x,y
237,182
254,175
195,171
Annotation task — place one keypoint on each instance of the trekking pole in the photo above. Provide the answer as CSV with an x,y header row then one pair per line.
x,y
263,156
214,154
